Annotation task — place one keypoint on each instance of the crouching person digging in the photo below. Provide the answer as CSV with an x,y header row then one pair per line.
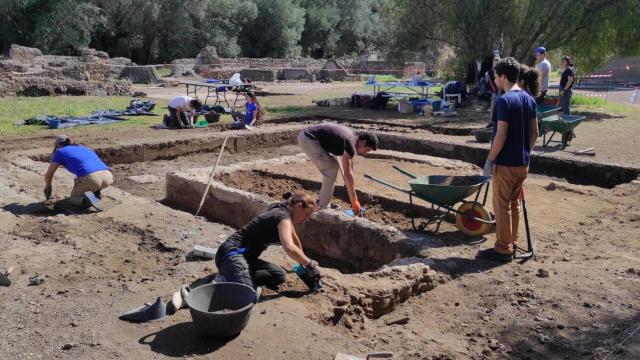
x,y
92,174
238,259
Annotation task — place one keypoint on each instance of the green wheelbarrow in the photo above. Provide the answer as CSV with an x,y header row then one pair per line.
x,y
560,124
544,111
444,192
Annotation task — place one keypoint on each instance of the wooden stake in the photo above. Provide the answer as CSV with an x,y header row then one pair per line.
x,y
206,190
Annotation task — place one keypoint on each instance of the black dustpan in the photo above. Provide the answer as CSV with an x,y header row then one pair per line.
x,y
4,280
147,312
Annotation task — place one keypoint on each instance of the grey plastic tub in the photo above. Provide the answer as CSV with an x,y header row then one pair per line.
x,y
221,309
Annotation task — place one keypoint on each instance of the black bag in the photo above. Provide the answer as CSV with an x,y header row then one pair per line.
x,y
380,101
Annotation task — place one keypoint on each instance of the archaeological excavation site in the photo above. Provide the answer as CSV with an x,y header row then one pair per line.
x,y
400,278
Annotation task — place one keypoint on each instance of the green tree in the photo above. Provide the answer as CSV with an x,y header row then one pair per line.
x,y
67,27
276,31
320,36
472,28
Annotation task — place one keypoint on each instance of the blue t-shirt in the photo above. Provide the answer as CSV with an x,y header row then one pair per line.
x,y
250,109
517,108
79,160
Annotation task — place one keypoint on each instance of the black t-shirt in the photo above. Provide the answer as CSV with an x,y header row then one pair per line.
x,y
565,78
257,234
334,138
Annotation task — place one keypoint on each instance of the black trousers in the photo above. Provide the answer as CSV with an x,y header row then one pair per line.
x,y
540,99
178,120
254,273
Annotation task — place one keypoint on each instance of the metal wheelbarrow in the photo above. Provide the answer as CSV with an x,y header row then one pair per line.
x,y
561,124
471,216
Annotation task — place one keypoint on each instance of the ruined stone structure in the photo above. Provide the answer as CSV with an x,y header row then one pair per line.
x,y
27,72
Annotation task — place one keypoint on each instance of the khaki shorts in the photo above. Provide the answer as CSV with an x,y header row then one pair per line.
x,y
93,182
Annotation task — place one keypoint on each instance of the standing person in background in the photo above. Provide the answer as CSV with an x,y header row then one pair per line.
x,y
529,80
182,110
544,67
491,81
566,84
515,132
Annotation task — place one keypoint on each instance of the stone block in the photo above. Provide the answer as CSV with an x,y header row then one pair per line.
x,y
23,53
258,74
146,74
295,74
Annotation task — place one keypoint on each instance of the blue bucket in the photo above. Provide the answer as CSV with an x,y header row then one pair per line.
x,y
436,104
418,105
53,123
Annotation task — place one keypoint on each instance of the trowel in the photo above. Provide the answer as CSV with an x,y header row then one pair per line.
x,y
375,355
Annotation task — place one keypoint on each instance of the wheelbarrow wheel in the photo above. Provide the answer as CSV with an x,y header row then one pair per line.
x,y
465,219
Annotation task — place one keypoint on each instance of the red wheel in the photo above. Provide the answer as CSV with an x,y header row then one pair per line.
x,y
466,222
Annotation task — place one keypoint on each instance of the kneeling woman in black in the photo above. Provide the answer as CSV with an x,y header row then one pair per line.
x,y
237,258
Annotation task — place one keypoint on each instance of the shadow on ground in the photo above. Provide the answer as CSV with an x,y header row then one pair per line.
x,y
182,340
613,338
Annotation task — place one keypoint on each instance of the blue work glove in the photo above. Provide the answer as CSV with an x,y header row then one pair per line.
x,y
488,168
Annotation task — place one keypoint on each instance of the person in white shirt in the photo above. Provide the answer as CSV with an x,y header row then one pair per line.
x,y
182,110
544,67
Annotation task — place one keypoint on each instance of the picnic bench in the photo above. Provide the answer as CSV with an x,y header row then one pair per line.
x,y
411,88
217,90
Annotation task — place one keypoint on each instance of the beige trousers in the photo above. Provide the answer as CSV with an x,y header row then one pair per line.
x,y
93,182
325,162
507,185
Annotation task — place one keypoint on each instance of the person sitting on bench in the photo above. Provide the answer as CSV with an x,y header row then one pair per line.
x,y
182,110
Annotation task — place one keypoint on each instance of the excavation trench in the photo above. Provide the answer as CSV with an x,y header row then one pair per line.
x,y
575,171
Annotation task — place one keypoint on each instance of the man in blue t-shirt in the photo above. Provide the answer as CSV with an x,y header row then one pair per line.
x,y
515,132
92,174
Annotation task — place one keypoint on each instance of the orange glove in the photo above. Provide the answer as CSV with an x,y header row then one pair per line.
x,y
355,206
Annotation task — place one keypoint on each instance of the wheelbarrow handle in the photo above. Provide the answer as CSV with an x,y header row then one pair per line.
x,y
405,172
387,184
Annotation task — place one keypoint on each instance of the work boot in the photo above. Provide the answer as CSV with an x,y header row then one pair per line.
x,y
90,200
493,255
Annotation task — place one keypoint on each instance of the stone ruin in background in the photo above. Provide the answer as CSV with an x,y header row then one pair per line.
x,y
208,65
27,72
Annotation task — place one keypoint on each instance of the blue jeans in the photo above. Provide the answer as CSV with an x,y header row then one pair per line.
x,y
565,101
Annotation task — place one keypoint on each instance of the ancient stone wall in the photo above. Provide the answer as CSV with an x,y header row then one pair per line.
x,y
146,74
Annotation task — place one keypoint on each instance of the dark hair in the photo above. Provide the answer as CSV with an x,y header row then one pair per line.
x,y
301,197
252,95
509,67
370,140
196,104
567,58
531,79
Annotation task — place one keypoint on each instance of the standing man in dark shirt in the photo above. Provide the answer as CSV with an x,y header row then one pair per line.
x,y
237,258
566,84
323,143
515,132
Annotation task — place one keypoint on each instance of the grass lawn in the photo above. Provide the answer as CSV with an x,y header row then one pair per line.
x,y
20,108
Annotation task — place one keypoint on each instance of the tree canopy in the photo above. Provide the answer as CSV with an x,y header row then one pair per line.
x,y
149,31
